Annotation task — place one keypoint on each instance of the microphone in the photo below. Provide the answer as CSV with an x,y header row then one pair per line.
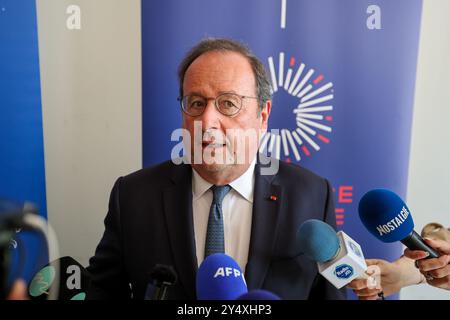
x,y
259,295
12,214
388,218
339,258
16,215
219,277
73,281
161,278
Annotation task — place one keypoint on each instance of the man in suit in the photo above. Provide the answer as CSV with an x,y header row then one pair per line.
x,y
225,199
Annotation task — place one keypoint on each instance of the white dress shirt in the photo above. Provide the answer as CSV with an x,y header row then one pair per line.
x,y
237,207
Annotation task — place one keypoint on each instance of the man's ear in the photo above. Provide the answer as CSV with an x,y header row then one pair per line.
x,y
265,113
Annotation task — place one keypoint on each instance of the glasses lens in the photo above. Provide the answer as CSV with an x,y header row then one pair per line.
x,y
193,105
229,104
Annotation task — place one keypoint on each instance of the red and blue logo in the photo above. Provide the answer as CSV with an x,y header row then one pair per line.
x,y
310,104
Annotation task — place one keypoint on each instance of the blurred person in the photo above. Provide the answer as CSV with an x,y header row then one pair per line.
x,y
436,231
18,291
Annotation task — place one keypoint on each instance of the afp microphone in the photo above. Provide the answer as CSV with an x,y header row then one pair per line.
x,y
219,277
339,258
388,218
259,294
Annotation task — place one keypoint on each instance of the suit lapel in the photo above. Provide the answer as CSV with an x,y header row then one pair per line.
x,y
266,203
180,225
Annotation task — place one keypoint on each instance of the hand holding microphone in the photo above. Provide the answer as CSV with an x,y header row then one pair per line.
x,y
393,276
435,270
388,218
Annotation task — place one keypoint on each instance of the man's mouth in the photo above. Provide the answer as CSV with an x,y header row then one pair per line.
x,y
211,144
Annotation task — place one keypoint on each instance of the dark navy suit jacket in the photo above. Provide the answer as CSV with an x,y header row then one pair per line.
x,y
150,222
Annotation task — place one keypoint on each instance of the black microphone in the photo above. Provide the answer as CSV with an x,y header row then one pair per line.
x,y
12,213
73,281
162,277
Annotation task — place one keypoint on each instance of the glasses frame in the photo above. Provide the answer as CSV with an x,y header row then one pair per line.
x,y
242,97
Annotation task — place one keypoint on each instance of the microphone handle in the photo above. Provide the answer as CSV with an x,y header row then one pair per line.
x,y
161,292
415,242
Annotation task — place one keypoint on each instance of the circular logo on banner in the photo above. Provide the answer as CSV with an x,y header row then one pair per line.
x,y
312,98
343,271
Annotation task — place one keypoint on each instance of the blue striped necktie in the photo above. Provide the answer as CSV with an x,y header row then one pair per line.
x,y
215,242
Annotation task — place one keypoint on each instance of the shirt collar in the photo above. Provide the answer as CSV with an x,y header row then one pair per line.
x,y
243,185
199,185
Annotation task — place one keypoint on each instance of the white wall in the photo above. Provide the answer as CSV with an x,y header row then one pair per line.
x,y
91,100
429,171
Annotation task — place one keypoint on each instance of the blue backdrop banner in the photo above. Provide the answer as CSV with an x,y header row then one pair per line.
x,y
22,170
342,74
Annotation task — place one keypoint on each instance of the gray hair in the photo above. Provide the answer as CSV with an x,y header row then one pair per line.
x,y
263,89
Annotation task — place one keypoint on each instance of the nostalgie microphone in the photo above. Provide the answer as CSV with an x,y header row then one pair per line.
x,y
162,277
388,218
259,295
219,277
339,258
72,282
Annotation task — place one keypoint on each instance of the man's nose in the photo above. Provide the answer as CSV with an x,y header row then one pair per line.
x,y
210,116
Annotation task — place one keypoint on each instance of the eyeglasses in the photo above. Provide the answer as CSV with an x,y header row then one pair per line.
x,y
228,104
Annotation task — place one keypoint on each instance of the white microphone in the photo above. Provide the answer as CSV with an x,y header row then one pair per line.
x,y
339,258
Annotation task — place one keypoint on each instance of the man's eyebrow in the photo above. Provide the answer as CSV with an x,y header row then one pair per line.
x,y
228,91
194,94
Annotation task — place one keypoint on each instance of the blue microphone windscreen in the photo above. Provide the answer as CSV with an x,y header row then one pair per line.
x,y
219,277
317,240
259,295
385,215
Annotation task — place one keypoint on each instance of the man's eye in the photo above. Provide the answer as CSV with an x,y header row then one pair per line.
x,y
197,104
229,104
